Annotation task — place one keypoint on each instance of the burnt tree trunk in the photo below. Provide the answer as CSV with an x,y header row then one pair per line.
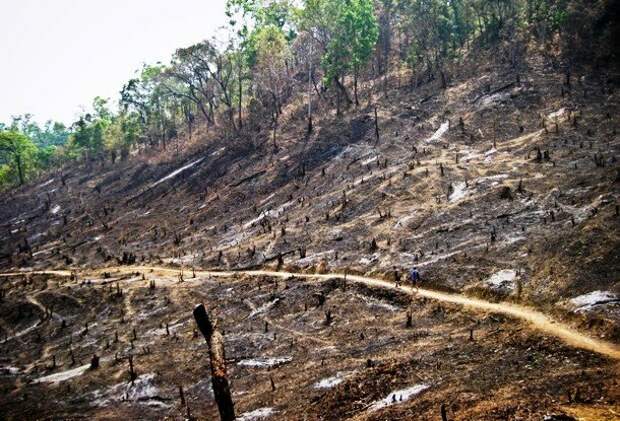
x,y
219,379
376,125
442,410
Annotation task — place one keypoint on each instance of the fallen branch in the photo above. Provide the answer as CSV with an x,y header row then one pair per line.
x,y
248,178
494,91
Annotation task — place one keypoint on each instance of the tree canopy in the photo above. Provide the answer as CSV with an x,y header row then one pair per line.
x,y
17,153
318,50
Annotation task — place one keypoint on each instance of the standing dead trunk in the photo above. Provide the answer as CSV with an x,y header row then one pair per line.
x,y
343,89
219,379
442,410
20,168
342,92
316,88
275,128
376,125
239,111
357,102
338,102
309,97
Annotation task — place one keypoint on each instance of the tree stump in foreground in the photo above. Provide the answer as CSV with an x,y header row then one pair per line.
x,y
219,379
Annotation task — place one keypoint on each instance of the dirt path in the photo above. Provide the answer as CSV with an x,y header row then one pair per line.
x,y
536,319
38,272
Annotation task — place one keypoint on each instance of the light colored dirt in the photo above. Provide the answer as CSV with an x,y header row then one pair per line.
x,y
534,318
38,272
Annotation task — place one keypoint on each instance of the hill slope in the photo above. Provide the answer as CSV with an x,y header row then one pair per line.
x,y
460,201
501,185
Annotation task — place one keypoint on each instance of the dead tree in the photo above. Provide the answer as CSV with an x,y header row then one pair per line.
x,y
132,373
182,395
442,410
219,379
94,362
376,125
328,318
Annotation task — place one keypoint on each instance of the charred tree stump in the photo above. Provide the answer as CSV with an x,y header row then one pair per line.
x,y
219,379
182,395
328,318
132,373
442,410
376,125
94,362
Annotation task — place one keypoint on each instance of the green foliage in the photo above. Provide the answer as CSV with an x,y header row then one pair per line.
x,y
270,73
279,47
45,156
87,136
17,157
348,29
50,134
258,13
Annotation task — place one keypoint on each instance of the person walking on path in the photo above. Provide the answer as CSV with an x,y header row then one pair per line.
x,y
414,276
396,276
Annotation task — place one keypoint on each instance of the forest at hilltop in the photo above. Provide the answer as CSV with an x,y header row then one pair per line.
x,y
320,55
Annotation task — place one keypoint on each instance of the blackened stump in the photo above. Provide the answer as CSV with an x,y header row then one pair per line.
x,y
219,379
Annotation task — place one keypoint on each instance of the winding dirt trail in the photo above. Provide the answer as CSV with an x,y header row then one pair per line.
x,y
37,272
537,320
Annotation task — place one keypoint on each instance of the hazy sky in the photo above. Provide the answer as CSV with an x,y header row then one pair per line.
x,y
57,55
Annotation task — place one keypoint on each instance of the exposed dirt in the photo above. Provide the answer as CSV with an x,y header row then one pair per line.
x,y
339,370
506,202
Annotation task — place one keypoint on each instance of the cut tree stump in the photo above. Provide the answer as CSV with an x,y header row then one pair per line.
x,y
219,379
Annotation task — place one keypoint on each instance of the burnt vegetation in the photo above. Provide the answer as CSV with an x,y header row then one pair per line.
x,y
484,155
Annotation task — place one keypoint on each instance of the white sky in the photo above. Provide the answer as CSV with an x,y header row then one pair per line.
x,y
57,55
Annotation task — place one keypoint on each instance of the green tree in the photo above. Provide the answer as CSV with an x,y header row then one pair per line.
x,y
271,74
349,31
17,153
50,134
